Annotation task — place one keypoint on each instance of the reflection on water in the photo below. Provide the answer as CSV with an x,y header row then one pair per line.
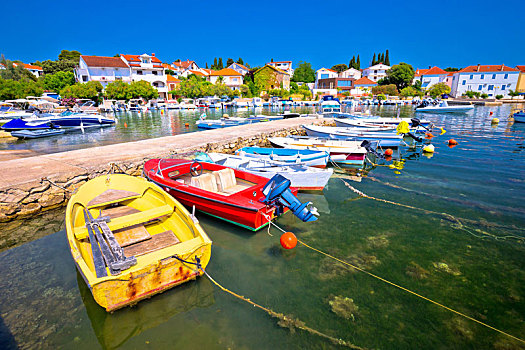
x,y
45,305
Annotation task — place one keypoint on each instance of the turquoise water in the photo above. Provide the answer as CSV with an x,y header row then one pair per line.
x,y
45,304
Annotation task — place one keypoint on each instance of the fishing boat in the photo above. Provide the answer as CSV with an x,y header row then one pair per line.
x,y
236,196
330,107
131,240
343,153
64,120
312,158
39,133
443,107
376,120
361,126
225,122
385,139
302,177
519,117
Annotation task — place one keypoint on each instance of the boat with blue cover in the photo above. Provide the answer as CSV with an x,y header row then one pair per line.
x,y
519,117
306,157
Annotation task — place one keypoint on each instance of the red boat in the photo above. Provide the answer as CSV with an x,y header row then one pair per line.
x,y
226,193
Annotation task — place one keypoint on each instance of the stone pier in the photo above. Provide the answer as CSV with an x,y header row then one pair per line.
x,y
35,184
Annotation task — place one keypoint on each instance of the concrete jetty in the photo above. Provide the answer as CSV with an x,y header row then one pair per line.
x,y
33,184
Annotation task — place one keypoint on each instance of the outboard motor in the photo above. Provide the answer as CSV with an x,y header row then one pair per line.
x,y
278,194
371,149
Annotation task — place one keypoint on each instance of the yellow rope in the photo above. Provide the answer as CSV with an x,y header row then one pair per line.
x,y
286,321
461,226
411,292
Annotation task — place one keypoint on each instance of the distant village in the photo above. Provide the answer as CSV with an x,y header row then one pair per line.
x,y
488,81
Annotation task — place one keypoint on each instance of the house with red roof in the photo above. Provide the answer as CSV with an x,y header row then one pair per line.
x,y
430,76
351,73
239,68
270,77
362,86
227,76
103,69
36,70
376,72
324,73
282,65
148,68
492,80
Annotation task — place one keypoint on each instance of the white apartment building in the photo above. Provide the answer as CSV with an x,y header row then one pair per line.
x,y
102,69
148,68
351,73
376,72
492,80
430,76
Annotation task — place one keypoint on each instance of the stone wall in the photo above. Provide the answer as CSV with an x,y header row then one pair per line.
x,y
54,190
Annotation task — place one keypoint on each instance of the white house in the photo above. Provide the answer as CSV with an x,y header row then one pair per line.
x,y
102,69
362,86
239,68
148,68
351,73
36,70
283,65
230,78
324,73
492,80
430,76
376,72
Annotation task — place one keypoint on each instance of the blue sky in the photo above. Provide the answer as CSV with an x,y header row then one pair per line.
x,y
445,33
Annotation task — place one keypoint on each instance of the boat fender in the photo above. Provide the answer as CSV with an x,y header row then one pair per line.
x,y
452,142
428,149
389,152
278,194
495,120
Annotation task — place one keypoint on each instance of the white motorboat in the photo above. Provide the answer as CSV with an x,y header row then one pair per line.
x,y
443,107
301,176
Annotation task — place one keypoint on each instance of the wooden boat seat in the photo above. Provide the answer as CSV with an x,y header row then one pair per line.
x,y
157,242
225,179
129,220
111,196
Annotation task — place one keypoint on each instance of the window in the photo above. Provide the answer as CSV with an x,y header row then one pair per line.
x,y
471,76
235,80
491,87
463,83
325,76
482,76
493,76
154,72
502,87
480,87
506,76
344,83
139,72
375,71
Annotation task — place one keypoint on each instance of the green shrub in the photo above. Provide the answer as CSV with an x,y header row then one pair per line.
x,y
484,95
499,97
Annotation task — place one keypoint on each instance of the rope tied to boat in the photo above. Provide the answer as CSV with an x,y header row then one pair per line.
x,y
458,222
55,184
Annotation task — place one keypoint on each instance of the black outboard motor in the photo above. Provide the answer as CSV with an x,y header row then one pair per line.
x,y
371,149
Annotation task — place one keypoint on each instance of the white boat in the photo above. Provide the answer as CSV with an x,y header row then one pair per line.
x,y
443,107
301,176
340,151
385,139
172,104
135,105
9,111
257,102
187,103
361,126
329,107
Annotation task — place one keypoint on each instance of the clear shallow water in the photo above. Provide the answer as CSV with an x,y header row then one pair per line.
x,y
45,304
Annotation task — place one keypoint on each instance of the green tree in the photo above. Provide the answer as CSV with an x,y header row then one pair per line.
x,y
410,91
400,74
438,90
229,62
240,61
117,90
352,62
358,63
66,55
172,72
12,89
142,89
13,72
90,90
451,69
58,81
374,59
220,65
214,64
513,93
387,58
390,89
340,67
294,88
304,73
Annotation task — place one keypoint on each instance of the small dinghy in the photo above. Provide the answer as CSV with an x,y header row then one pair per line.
x,y
236,196
35,134
302,177
131,240
443,107
313,158
519,117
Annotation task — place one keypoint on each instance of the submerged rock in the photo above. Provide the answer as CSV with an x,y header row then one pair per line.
x,y
379,241
461,327
417,272
445,268
344,307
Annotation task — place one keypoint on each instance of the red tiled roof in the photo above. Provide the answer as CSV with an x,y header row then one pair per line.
x,y
172,79
225,72
488,68
435,71
364,81
30,66
196,72
208,71
521,68
183,64
102,61
136,58
449,74
420,72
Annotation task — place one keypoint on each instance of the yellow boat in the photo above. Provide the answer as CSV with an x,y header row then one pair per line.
x,y
144,240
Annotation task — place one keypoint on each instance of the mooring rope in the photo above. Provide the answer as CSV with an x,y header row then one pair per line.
x,y
56,185
447,216
411,292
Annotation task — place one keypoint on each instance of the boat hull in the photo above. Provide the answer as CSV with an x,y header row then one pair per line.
x,y
519,117
384,140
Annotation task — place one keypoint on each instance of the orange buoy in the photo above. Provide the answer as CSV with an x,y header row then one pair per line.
x,y
388,152
428,135
187,125
452,142
125,125
491,113
388,158
288,240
